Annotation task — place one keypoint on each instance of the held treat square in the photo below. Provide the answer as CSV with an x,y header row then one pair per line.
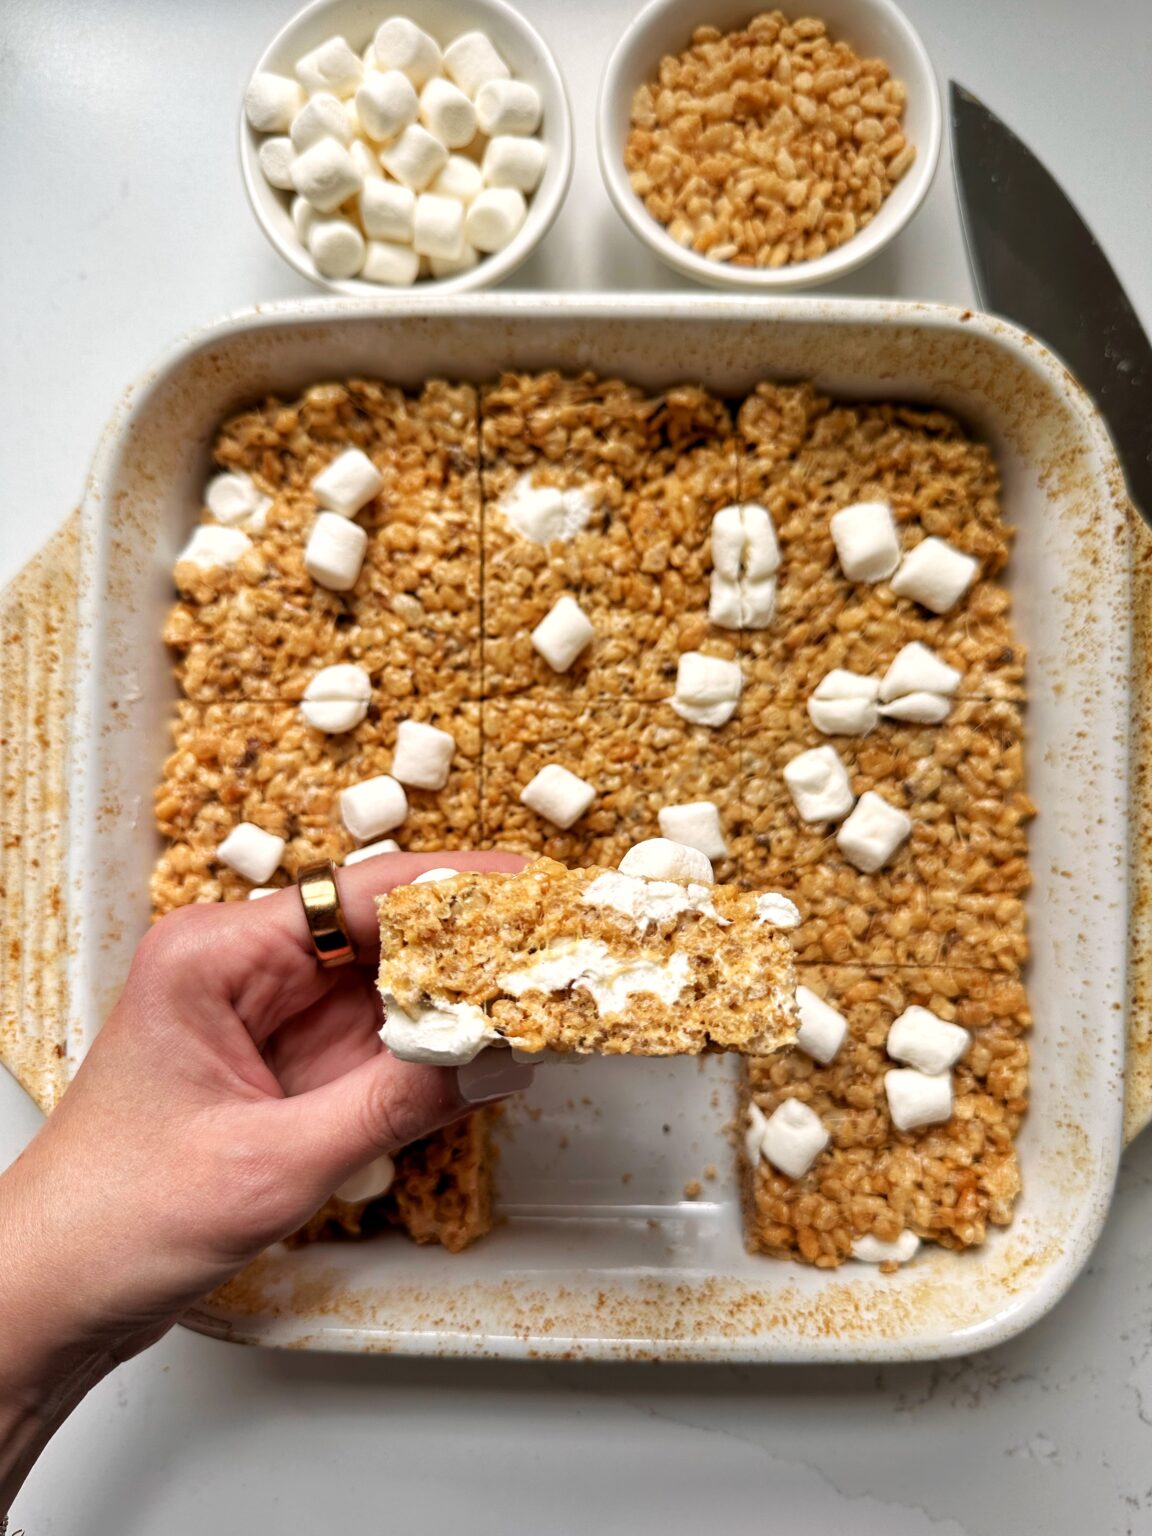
x,y
580,961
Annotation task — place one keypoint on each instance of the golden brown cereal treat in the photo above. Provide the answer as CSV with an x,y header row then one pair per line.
x,y
584,961
637,757
946,1183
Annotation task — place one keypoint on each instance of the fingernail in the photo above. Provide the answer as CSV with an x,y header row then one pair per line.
x,y
493,1075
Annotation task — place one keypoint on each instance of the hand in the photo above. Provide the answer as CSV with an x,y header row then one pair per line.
x,y
234,1087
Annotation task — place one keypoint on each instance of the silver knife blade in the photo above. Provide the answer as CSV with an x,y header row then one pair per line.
x,y
1035,261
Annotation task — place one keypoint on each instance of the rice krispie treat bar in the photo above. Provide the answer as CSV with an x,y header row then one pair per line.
x,y
584,961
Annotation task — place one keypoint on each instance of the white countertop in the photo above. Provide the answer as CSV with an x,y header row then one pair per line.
x,y
126,226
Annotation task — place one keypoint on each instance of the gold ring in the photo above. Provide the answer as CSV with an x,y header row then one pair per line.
x,y
324,914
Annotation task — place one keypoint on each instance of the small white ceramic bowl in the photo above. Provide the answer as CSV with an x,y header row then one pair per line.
x,y
527,56
875,29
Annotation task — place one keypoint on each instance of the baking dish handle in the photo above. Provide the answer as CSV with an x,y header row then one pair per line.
x,y
39,622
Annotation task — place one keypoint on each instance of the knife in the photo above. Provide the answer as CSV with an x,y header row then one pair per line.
x,y
1035,261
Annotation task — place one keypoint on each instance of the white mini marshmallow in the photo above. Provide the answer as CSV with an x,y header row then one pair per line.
x,y
754,1133
922,708
271,102
728,542
545,512
460,179
370,851
331,67
471,61
326,175
792,1138
441,267
348,483
303,217
935,575
365,160
776,910
563,633
259,891
695,824
232,497
916,669
494,218
401,44
276,157
438,226
447,113
386,104
337,248
822,1029
757,602
368,1183
212,545
761,547
386,262
818,782
507,106
432,876
335,550
558,795
873,1250
386,210
422,755
323,117
415,158
512,161
707,688
842,684
924,1041
873,832
662,858
917,1098
337,698
373,806
725,605
844,704
866,541
251,852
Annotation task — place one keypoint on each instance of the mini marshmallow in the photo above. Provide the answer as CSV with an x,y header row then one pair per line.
x,y
326,175
431,876
460,179
348,483
842,684
335,550
232,497
368,1183
707,688
662,858
922,708
754,1133
212,545
917,1098
259,891
370,851
331,67
935,575
843,717
757,602
761,547
447,113
507,106
438,226
924,1041
512,161
385,262
728,543
792,1138
386,210
873,832
471,61
303,217
494,218
544,512
422,755
324,117
563,633
776,910
725,605
916,669
401,44
440,266
415,158
866,541
873,1250
337,698
818,782
365,161
337,248
373,806
822,1029
251,852
558,795
694,825
276,157
271,102
387,104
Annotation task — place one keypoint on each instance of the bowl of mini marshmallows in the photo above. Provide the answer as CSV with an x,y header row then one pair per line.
x,y
763,150
429,147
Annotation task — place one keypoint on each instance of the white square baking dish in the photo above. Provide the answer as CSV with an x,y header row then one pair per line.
x,y
599,1255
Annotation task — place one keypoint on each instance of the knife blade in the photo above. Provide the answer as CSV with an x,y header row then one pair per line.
x,y
1035,261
